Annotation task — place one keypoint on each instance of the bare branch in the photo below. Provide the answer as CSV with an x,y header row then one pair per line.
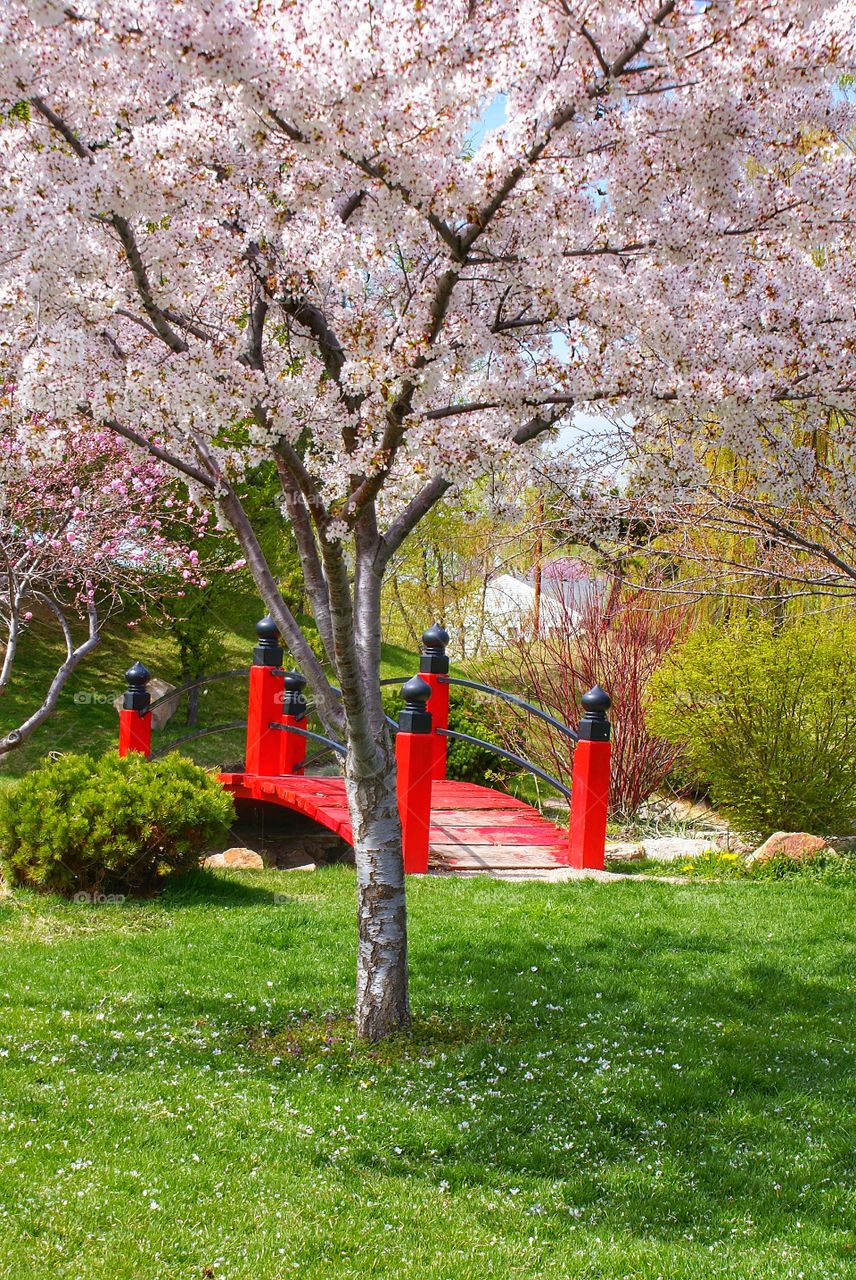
x,y
313,572
74,656
163,328
65,130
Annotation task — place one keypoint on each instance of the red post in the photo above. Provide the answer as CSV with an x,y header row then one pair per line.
x,y
433,666
293,713
135,721
264,744
414,757
590,784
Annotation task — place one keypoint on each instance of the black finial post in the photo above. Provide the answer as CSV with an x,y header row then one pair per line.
x,y
414,717
594,725
137,696
433,658
293,700
268,651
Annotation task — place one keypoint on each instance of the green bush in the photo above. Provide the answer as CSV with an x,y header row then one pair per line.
x,y
79,824
768,721
470,714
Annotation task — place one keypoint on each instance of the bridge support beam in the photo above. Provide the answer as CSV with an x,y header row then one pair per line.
x,y
433,665
415,760
590,785
265,745
135,721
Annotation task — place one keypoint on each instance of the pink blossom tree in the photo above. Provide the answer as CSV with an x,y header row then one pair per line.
x,y
236,231
85,528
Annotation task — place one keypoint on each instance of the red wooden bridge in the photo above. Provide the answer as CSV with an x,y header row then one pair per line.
x,y
471,828
447,825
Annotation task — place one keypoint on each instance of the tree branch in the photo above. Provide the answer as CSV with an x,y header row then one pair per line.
x,y
313,571
74,656
416,509
159,318
163,455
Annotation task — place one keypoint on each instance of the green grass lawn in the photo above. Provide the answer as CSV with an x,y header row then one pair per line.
x,y
631,1080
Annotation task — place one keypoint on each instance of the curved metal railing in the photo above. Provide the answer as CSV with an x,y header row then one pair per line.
x,y
198,733
330,743
466,737
316,757
195,684
515,701
509,755
309,705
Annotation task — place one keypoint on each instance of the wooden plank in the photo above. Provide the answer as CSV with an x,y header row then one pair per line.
x,y
497,822
484,814
503,859
472,803
495,857
523,836
487,851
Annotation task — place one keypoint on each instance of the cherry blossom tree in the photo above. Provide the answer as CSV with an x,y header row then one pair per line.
x,y
236,231
84,531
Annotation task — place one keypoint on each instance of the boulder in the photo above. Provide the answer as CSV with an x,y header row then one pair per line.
x,y
624,851
237,859
157,689
799,846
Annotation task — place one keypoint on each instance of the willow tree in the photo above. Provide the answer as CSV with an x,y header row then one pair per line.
x,y
236,231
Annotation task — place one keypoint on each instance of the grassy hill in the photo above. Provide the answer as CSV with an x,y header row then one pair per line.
x,y
86,719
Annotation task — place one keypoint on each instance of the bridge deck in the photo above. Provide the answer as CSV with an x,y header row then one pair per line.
x,y
472,827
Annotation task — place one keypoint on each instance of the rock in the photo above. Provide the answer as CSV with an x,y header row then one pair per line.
x,y
237,859
672,848
799,846
157,688
302,866
842,844
243,859
624,851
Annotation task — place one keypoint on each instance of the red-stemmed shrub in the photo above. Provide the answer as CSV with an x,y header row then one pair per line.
x,y
616,640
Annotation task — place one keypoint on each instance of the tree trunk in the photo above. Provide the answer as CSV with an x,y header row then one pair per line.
x,y
381,989
192,717
382,1005
354,612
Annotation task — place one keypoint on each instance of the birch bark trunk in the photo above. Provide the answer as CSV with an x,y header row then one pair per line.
x,y
382,1004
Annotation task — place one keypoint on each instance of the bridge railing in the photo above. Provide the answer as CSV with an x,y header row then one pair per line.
x,y
590,742
277,737
136,715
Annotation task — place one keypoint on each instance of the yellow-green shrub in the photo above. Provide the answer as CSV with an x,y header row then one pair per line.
x,y
768,720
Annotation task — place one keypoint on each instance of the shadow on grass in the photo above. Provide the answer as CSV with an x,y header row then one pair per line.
x,y
223,888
